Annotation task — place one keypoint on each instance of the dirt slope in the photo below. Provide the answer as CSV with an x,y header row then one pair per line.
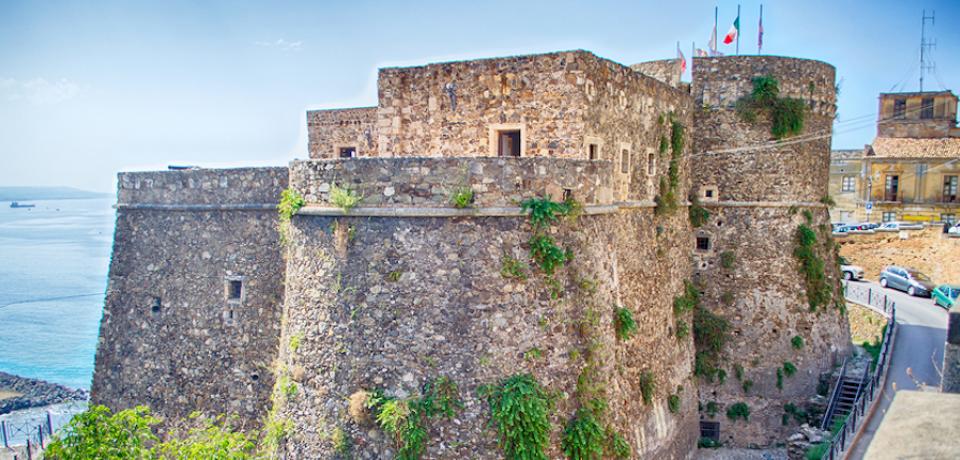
x,y
929,251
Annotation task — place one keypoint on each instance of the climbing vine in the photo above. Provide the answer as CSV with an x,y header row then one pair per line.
x,y
710,334
667,199
542,213
812,267
786,114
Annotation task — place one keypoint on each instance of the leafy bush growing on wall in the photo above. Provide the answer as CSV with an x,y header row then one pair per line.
x,y
673,403
698,215
710,333
786,114
290,203
520,407
344,198
796,342
738,411
584,437
648,385
812,268
623,323
405,419
667,198
462,198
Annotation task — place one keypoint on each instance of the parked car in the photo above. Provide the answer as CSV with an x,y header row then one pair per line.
x,y
946,295
896,226
955,229
906,279
850,272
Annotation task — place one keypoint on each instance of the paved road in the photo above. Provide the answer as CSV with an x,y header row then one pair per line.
x,y
919,347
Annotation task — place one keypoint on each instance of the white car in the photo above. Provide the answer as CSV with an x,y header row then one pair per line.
x,y
850,272
896,226
955,229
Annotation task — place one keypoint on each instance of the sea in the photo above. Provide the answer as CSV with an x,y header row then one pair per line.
x,y
53,276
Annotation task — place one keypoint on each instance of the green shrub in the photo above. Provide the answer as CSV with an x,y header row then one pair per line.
x,y
211,439
583,438
290,203
738,372
617,446
545,252
520,408
789,369
710,333
727,259
441,396
683,329
542,212
812,268
796,342
780,379
462,198
817,451
712,409
698,215
344,198
673,403
648,385
687,301
404,419
747,385
623,323
512,268
786,114
738,410
708,443
295,340
98,433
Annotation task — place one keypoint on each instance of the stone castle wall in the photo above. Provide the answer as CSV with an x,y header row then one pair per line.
x,y
430,182
330,130
392,302
763,195
665,70
170,337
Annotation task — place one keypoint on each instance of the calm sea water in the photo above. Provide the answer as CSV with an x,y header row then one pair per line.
x,y
53,275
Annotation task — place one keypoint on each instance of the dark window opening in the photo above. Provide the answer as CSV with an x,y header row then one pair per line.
x,y
899,108
508,143
950,189
348,152
230,314
651,164
625,161
594,151
254,377
567,194
235,290
155,308
710,430
926,108
891,187
703,243
708,193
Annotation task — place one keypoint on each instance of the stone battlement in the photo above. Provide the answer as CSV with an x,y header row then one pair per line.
x,y
430,182
214,187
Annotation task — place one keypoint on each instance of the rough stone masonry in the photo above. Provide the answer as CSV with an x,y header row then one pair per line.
x,y
207,310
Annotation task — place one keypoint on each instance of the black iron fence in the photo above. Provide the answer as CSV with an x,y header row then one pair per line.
x,y
844,435
29,433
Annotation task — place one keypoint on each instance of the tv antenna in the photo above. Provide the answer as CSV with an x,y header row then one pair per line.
x,y
926,46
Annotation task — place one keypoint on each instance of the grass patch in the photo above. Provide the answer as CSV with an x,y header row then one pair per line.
x,y
462,197
786,114
623,323
344,198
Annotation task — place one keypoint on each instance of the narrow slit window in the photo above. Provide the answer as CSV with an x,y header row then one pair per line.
x,y
651,164
624,161
508,143
348,152
593,151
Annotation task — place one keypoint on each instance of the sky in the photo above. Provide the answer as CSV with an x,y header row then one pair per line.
x,y
88,89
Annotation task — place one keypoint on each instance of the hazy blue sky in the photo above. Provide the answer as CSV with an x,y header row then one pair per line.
x,y
90,88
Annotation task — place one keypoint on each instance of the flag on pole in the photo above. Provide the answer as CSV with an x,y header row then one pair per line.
x,y
683,60
760,30
702,53
712,45
733,32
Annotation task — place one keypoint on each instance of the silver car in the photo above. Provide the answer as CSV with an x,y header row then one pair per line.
x,y
850,272
906,279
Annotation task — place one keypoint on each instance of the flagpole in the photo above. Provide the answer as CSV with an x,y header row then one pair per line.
x,y
760,32
716,12
693,54
738,32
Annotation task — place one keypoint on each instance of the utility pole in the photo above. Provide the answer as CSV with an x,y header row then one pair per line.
x,y
926,46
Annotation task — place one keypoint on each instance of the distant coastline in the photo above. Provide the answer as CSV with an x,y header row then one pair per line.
x,y
23,393
47,193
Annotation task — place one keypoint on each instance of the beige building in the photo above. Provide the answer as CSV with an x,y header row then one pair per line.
x,y
911,170
845,188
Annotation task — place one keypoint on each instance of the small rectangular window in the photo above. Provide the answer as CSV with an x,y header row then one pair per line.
x,y
348,152
508,143
593,150
926,108
709,193
889,216
891,188
849,184
234,289
899,108
703,243
624,161
950,189
651,164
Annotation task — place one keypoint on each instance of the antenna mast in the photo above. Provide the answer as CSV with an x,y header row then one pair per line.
x,y
926,46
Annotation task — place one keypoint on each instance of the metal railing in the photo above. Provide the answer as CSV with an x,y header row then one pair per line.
x,y
841,440
31,434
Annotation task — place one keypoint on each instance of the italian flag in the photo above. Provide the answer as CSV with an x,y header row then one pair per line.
x,y
732,33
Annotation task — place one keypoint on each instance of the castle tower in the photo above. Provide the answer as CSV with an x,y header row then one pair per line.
x,y
786,319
